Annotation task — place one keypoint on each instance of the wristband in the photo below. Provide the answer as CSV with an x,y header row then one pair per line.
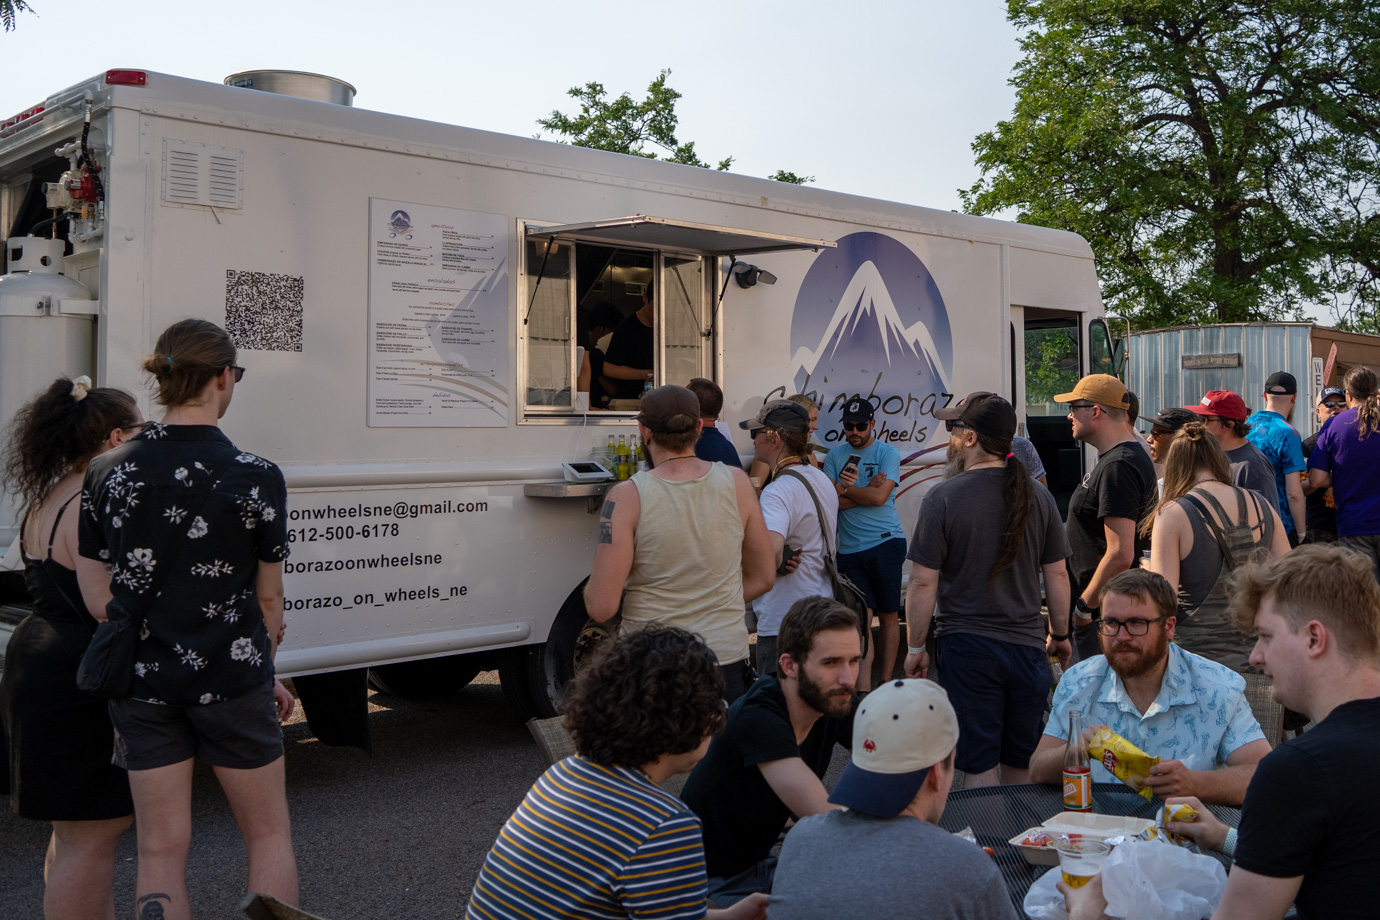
x,y
915,651
1063,638
1229,845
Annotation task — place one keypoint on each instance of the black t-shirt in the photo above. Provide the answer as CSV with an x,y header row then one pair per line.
x,y
742,815
632,345
204,639
1320,509
1121,485
1312,810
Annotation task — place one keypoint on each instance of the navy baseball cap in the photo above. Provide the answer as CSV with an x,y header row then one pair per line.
x,y
858,409
1331,393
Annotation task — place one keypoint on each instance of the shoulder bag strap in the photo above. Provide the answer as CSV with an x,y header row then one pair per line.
x,y
1214,527
823,524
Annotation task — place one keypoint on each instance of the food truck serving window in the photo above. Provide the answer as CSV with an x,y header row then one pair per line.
x,y
611,307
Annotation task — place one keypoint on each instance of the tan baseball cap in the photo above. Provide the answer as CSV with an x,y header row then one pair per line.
x,y
1103,389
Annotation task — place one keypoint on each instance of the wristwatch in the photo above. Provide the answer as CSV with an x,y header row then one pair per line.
x,y
1086,612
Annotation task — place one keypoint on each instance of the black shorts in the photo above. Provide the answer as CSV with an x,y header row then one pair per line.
x,y
877,573
242,733
998,690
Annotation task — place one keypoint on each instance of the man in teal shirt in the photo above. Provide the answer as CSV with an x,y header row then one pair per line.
x,y
1282,446
871,544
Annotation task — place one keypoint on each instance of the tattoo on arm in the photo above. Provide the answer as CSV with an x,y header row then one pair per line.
x,y
150,909
607,513
605,531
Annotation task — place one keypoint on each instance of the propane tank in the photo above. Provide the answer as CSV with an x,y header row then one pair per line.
x,y
39,339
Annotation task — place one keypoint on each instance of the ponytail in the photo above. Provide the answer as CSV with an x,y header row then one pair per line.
x,y
1018,493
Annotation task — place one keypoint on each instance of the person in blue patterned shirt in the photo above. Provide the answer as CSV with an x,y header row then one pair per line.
x,y
1189,711
597,838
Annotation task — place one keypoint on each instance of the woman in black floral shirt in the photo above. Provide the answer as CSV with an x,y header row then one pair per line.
x,y
193,531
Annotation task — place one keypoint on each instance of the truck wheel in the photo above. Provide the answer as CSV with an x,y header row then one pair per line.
x,y
428,678
534,677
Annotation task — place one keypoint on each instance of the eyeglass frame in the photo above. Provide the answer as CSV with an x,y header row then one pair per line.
x,y
1074,407
239,371
137,426
861,426
952,425
1126,625
1334,404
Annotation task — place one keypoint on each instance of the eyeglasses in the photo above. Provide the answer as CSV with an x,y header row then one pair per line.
x,y
1074,407
1334,404
855,426
239,372
1160,432
1136,626
953,425
136,428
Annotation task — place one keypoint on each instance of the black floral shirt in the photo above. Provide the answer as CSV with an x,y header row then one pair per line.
x,y
204,638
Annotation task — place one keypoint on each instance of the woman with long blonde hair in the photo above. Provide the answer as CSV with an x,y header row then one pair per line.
x,y
1202,529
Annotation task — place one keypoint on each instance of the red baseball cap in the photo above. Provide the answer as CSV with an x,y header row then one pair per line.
x,y
1223,404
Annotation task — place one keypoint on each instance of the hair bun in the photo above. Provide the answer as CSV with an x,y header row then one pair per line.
x,y
80,387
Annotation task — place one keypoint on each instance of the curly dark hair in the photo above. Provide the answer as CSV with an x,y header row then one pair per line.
x,y
55,433
650,693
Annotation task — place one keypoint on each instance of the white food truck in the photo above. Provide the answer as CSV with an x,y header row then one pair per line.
x,y
409,300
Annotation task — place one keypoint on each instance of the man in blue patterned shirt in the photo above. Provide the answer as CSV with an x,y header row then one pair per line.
x,y
1172,704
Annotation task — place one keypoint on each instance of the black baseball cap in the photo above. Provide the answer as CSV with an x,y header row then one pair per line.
x,y
1172,418
986,413
858,409
1331,393
1281,383
781,414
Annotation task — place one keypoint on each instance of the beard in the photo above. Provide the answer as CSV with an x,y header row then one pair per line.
x,y
835,703
954,460
1139,665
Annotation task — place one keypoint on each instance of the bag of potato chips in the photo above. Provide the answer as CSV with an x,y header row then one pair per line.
x,y
1181,813
1122,759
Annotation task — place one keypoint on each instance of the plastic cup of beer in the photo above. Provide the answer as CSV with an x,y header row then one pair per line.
x,y
1080,860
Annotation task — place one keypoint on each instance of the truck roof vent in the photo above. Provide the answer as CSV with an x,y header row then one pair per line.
x,y
312,86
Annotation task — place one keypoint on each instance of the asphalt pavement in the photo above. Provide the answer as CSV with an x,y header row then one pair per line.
x,y
400,832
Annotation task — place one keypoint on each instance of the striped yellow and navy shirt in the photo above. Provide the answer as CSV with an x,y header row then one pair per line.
x,y
594,842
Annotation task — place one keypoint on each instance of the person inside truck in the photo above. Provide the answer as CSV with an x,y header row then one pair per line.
x,y
591,326
195,533
60,737
597,836
628,366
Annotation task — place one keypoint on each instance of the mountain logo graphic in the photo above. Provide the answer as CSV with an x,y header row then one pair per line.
x,y
870,321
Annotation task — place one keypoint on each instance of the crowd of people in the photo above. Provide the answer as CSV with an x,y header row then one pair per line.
x,y
1179,577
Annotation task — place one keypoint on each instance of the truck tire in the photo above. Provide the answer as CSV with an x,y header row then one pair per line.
x,y
534,677
426,679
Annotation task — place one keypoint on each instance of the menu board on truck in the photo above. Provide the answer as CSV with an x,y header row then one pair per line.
x,y
438,317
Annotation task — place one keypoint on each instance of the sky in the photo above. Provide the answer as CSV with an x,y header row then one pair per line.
x,y
881,99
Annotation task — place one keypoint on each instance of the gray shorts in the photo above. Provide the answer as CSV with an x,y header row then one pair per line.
x,y
242,733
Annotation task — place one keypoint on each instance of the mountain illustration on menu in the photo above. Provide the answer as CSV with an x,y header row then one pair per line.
x,y
866,323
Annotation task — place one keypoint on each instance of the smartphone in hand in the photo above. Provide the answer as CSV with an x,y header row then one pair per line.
x,y
853,461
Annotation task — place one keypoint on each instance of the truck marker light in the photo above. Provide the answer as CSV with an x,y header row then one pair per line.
x,y
125,78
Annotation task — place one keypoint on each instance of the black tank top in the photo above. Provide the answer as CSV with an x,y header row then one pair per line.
x,y
54,588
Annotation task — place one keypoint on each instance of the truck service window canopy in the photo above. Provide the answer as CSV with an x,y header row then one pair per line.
x,y
681,235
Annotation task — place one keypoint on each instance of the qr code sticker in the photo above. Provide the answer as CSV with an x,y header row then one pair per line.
x,y
263,311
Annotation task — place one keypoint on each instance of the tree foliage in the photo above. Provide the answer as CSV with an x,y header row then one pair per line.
x,y
626,125
1220,157
8,10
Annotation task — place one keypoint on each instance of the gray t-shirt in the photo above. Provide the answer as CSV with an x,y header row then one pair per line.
x,y
844,864
959,532
1026,453
1251,469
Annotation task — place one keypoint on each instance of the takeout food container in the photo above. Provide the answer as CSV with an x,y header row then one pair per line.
x,y
1090,825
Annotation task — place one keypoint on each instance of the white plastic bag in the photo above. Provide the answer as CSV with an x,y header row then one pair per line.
x,y
1152,880
1142,880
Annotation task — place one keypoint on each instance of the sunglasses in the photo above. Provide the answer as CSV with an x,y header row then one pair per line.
x,y
239,372
953,425
1334,404
1136,626
855,426
1074,407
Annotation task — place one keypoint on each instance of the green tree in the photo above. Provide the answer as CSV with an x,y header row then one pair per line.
x,y
8,10
1220,156
626,125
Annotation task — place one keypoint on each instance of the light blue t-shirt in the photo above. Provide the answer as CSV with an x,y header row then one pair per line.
x,y
1283,447
1199,717
866,526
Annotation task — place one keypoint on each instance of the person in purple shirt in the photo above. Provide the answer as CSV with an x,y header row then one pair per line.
x,y
1347,458
712,445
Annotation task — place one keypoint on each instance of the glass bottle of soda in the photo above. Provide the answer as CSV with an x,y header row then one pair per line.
x,y
1077,770
622,470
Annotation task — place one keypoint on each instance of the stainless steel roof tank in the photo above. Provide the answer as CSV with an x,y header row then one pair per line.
x,y
312,86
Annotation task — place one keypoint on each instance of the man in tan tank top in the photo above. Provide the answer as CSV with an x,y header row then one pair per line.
x,y
684,542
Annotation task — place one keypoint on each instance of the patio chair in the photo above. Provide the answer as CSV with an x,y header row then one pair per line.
x,y
1267,712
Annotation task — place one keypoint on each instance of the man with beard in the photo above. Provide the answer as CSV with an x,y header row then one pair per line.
x,y
769,762
981,540
1172,704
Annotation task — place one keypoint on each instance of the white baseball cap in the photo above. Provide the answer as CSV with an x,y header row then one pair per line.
x,y
901,730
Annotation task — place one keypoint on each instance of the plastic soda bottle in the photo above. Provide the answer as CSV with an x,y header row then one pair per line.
x,y
1077,770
